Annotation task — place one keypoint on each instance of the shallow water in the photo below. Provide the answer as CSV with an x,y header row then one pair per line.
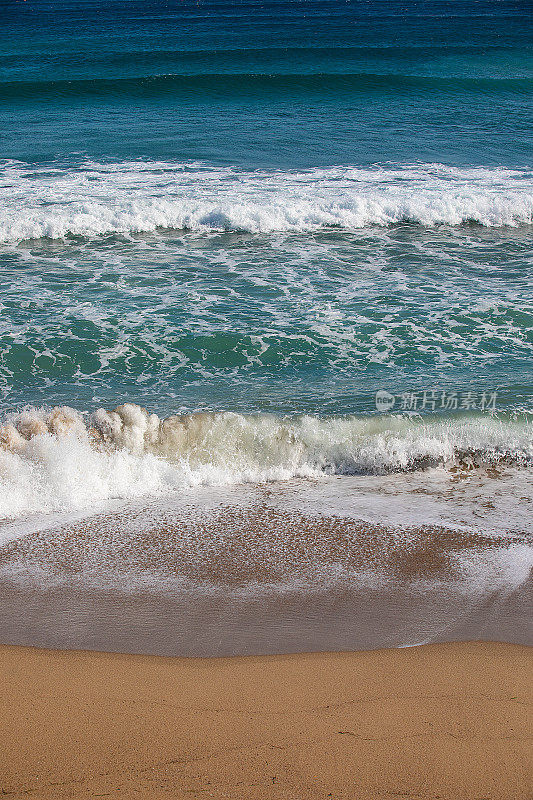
x,y
300,236
259,569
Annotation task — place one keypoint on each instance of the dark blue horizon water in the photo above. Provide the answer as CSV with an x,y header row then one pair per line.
x,y
274,85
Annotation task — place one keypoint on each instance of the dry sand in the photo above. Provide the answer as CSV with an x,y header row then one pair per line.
x,y
444,721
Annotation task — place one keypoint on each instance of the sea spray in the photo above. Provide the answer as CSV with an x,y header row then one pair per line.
x,y
136,197
57,459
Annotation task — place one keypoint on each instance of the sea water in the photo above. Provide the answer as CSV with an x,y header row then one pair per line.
x,y
284,240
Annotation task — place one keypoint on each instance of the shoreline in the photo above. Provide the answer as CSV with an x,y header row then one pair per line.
x,y
259,570
446,721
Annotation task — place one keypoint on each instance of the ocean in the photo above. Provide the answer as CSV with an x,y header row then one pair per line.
x,y
266,323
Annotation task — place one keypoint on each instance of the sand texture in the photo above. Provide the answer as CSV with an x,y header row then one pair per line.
x,y
439,722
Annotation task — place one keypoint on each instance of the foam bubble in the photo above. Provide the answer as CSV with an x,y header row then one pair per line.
x,y
133,197
59,459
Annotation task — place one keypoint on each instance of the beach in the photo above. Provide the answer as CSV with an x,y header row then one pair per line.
x,y
281,567
266,399
440,722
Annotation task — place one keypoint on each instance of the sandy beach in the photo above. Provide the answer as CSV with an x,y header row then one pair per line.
x,y
439,722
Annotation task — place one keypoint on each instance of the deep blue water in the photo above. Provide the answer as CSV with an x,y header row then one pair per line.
x,y
277,85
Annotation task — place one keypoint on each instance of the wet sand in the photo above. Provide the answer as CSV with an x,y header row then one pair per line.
x,y
440,722
256,579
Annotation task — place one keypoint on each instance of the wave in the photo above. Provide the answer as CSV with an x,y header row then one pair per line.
x,y
241,84
136,197
60,459
67,74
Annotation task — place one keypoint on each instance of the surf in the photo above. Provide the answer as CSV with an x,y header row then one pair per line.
x,y
134,197
58,459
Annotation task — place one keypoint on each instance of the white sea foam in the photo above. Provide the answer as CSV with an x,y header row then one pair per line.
x,y
134,197
57,459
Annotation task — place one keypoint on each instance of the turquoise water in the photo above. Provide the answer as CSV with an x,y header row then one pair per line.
x,y
357,178
268,207
232,321
266,323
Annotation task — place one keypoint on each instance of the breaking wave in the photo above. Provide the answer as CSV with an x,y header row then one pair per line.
x,y
59,459
135,197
